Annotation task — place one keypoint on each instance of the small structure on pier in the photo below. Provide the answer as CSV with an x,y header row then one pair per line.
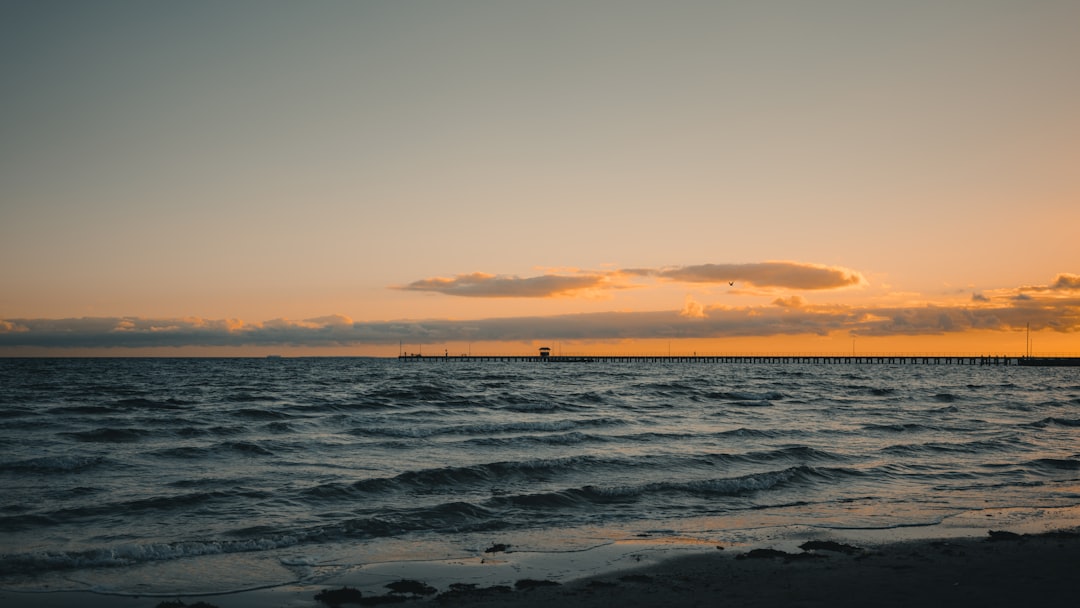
x,y
545,352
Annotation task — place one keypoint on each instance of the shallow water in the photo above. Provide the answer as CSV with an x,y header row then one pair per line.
x,y
172,474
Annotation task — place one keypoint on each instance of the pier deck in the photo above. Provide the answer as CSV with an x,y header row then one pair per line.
x,y
762,359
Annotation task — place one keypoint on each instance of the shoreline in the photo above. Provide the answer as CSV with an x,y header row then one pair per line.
x,y
999,568
1002,569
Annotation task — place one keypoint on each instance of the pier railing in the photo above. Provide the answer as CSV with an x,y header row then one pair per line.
x,y
758,359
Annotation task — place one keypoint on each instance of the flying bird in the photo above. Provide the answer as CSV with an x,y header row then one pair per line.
x,y
732,283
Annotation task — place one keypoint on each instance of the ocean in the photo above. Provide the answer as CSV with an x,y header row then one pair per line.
x,y
157,476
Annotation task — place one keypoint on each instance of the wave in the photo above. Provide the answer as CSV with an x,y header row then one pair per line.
x,y
419,392
793,454
951,409
108,435
763,403
455,516
1056,464
876,391
132,554
745,396
1053,421
486,429
25,521
592,495
260,414
969,447
246,447
648,437
573,438
745,432
82,409
252,397
459,480
156,504
218,431
141,402
530,405
907,427
279,427
54,464
184,453
529,473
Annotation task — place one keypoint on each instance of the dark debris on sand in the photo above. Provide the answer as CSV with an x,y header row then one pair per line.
x,y
411,586
348,595
337,597
528,583
470,592
776,553
497,548
378,600
828,545
1003,535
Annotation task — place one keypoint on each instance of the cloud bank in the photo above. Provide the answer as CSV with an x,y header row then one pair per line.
x,y
1055,307
1067,282
482,285
789,275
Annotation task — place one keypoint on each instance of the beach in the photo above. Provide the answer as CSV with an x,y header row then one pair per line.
x,y
1001,568
1028,570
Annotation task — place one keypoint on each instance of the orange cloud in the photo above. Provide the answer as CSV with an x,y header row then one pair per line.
x,y
790,275
1067,281
1063,283
692,309
792,302
482,285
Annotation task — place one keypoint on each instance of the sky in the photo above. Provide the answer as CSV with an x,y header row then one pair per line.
x,y
372,178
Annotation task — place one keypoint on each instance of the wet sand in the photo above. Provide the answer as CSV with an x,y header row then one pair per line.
x,y
1012,572
999,569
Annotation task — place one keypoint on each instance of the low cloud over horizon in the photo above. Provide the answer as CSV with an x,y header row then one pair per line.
x,y
1053,307
789,275
483,285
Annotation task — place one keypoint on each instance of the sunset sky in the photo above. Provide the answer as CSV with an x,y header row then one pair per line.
x,y
359,178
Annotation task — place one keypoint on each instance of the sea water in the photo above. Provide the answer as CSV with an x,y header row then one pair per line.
x,y
184,475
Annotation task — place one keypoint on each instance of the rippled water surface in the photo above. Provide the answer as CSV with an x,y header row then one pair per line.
x,y
119,465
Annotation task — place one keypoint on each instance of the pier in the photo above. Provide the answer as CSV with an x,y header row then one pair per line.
x,y
995,360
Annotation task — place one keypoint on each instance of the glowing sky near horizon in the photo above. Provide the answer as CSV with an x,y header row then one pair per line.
x,y
325,176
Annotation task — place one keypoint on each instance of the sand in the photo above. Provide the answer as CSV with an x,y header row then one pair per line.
x,y
1025,571
1001,569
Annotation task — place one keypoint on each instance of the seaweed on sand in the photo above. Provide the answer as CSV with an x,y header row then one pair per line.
x,y
411,586
337,597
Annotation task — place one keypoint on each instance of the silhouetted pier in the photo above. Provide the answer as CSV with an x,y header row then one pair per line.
x,y
758,359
